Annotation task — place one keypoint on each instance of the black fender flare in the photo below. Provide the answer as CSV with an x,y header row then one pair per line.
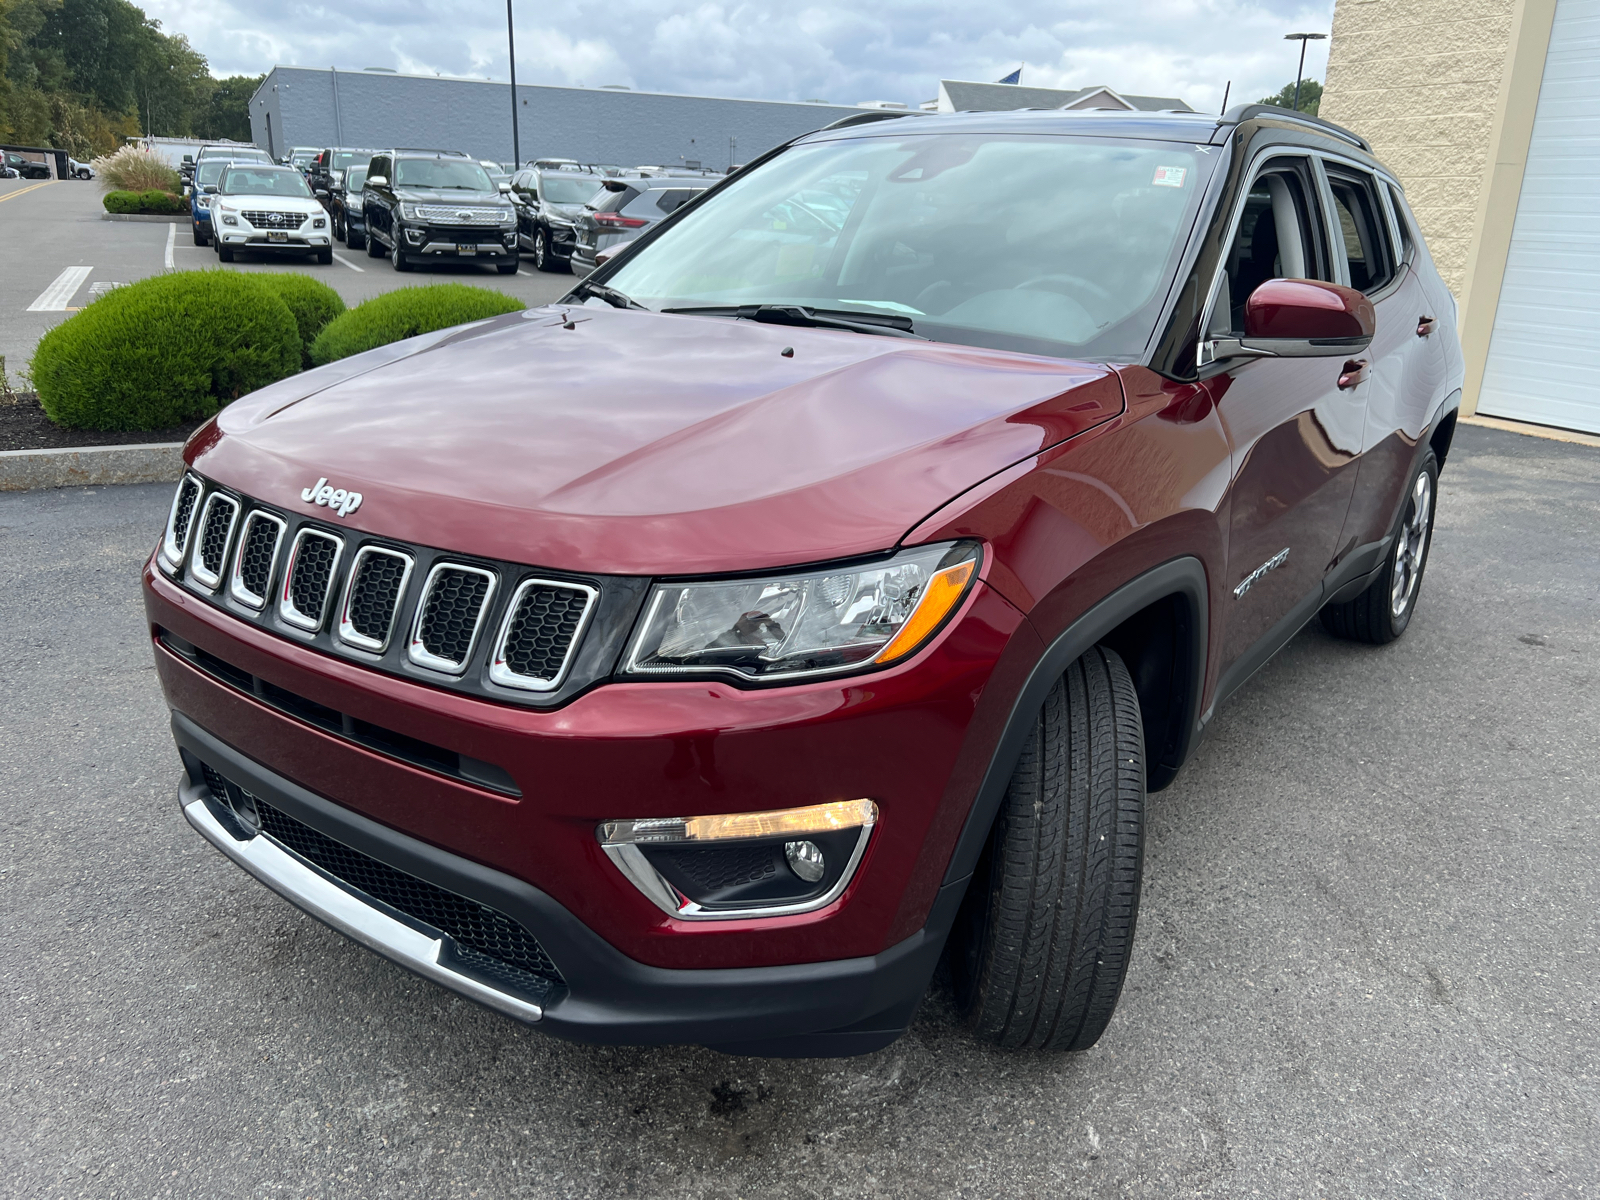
x,y
1184,577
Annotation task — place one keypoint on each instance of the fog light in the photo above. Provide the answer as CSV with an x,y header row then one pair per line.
x,y
414,236
805,860
743,864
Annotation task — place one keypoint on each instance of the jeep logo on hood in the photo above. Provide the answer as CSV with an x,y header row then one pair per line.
x,y
341,502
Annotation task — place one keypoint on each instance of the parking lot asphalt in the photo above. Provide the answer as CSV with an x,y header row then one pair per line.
x,y
56,253
1365,964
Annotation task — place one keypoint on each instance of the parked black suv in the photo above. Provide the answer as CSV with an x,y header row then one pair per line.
x,y
549,203
426,205
26,167
330,165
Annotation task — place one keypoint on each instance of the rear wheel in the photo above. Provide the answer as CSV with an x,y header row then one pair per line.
x,y
1042,943
1381,613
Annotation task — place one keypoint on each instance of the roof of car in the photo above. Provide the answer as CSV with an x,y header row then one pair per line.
x,y
1193,127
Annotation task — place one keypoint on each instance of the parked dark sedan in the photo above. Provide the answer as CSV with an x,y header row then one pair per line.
x,y
626,209
349,222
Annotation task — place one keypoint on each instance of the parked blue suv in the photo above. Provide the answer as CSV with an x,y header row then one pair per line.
x,y
207,175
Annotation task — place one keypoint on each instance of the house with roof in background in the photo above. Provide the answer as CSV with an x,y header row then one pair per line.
x,y
961,95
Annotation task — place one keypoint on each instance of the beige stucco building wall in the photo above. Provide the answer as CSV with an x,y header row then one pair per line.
x,y
1421,82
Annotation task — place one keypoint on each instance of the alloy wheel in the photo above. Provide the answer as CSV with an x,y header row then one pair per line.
x,y
1413,547
539,250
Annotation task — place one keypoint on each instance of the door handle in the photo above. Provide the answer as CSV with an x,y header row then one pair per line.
x,y
1354,374
1425,326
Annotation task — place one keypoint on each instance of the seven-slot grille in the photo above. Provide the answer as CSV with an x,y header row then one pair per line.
x,y
455,599
544,622
540,627
262,219
216,529
308,579
372,597
259,543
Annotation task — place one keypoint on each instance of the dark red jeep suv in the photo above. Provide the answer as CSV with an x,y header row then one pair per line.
x,y
821,587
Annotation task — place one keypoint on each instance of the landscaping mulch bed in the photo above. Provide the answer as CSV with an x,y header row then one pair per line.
x,y
23,426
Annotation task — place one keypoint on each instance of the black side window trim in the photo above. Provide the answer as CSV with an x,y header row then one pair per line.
x,y
1353,177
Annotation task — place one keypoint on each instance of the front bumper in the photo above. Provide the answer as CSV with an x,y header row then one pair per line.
x,y
256,240
838,1007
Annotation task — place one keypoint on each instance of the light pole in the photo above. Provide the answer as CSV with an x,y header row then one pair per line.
x,y
1302,38
511,50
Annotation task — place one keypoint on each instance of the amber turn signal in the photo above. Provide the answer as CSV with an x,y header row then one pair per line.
x,y
939,599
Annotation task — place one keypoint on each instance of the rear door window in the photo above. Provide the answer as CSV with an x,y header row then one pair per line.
x,y
1363,232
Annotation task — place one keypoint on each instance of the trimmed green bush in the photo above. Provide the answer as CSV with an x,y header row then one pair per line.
x,y
405,313
165,350
312,302
144,202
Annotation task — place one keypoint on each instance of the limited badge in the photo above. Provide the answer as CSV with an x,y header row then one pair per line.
x,y
1170,176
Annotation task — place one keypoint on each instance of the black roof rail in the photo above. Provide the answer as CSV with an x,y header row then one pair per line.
x,y
868,116
1241,113
429,150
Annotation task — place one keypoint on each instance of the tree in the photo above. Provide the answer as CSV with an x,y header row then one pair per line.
x,y
1310,97
227,114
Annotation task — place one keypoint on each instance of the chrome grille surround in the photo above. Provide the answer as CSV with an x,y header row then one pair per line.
x,y
348,631
264,219
449,214
503,672
213,540
288,609
239,583
417,650
180,522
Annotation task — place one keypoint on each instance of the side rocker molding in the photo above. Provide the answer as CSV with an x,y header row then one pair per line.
x,y
1182,577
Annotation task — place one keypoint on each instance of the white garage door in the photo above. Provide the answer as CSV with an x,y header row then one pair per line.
x,y
1544,357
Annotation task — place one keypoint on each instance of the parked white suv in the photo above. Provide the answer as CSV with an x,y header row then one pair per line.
x,y
268,208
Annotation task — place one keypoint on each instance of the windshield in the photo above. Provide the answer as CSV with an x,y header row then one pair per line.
x,y
264,181
354,178
343,159
441,173
301,157
1044,244
567,190
210,172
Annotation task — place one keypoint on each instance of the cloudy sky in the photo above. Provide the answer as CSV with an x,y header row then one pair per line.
x,y
843,51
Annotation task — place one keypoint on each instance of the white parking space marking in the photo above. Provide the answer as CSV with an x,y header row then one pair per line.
x,y
348,263
54,298
172,239
101,288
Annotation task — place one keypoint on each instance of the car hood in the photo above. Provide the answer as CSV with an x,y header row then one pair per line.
x,y
437,196
274,203
624,442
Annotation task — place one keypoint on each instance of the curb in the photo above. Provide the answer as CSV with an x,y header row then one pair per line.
x,y
164,218
152,462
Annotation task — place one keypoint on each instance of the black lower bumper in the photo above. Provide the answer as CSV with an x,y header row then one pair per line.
x,y
848,1006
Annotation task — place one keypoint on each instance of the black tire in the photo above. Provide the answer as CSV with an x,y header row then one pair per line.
x,y
508,268
200,239
338,226
544,258
1382,612
398,260
325,256
224,252
354,240
1042,944
374,247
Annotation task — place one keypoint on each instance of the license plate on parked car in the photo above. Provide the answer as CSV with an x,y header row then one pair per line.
x,y
274,236
464,248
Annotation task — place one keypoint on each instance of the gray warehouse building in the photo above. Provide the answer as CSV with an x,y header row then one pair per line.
x,y
306,106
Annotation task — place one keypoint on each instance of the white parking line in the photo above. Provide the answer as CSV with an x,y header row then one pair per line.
x,y
54,298
348,263
172,238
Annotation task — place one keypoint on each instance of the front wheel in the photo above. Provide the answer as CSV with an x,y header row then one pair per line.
x,y
224,252
374,247
507,268
199,238
543,257
1042,943
397,259
1381,613
325,256
354,240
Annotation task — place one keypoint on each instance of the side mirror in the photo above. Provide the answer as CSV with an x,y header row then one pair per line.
x,y
504,188
188,158
1299,318
321,193
377,180
210,189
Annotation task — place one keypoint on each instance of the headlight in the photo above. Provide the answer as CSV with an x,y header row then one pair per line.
x,y
320,223
509,217
227,220
795,626
202,201
408,212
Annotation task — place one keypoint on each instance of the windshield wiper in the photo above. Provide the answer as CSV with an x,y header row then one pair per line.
x,y
610,295
812,318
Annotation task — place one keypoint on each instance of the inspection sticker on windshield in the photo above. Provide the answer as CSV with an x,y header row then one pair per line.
x,y
1169,176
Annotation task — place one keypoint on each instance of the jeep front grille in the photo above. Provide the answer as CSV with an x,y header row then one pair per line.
x,y
309,578
454,601
544,623
179,522
217,519
372,597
